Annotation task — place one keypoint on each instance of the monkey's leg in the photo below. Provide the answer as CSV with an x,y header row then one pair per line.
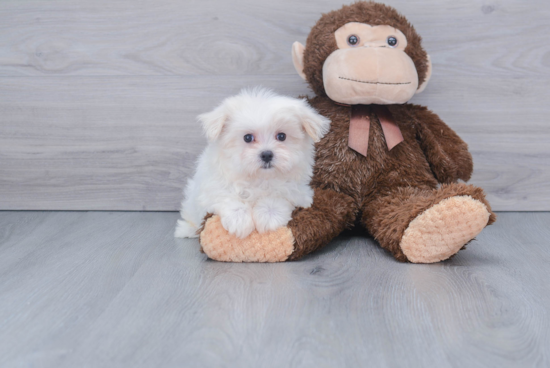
x,y
310,229
427,225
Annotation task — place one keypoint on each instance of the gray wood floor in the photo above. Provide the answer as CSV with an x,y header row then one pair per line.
x,y
102,289
98,99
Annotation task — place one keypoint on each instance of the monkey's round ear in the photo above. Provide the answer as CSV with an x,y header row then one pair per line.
x,y
213,121
428,76
298,58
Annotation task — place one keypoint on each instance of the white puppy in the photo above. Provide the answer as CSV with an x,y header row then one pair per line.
x,y
257,165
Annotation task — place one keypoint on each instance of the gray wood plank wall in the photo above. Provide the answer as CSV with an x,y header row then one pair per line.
x,y
98,99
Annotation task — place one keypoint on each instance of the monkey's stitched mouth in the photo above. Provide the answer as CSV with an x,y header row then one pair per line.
x,y
367,82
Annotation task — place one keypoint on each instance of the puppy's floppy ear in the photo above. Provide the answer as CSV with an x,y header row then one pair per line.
x,y
213,121
315,125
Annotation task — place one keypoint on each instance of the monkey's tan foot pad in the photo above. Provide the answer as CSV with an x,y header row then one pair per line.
x,y
442,230
219,245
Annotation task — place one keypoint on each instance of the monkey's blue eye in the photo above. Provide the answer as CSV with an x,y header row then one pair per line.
x,y
248,138
392,41
353,40
281,137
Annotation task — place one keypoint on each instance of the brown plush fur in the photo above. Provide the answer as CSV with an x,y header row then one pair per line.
x,y
330,214
388,188
321,42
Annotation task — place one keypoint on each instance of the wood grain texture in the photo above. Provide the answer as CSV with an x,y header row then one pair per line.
x,y
98,99
167,37
92,289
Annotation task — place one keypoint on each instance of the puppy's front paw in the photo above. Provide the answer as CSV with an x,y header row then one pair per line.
x,y
237,219
270,214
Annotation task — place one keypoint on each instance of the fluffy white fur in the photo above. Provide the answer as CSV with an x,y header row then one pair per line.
x,y
231,179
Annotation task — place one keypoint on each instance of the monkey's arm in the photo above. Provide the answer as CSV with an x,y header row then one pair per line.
x,y
445,151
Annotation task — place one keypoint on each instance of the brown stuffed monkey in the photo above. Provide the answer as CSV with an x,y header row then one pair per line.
x,y
389,166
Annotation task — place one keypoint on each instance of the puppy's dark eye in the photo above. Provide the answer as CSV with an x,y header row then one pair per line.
x,y
248,138
281,137
392,41
353,40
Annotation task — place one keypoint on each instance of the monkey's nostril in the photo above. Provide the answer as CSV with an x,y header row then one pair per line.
x,y
266,156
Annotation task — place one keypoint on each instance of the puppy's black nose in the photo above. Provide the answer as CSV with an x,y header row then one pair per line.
x,y
266,156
